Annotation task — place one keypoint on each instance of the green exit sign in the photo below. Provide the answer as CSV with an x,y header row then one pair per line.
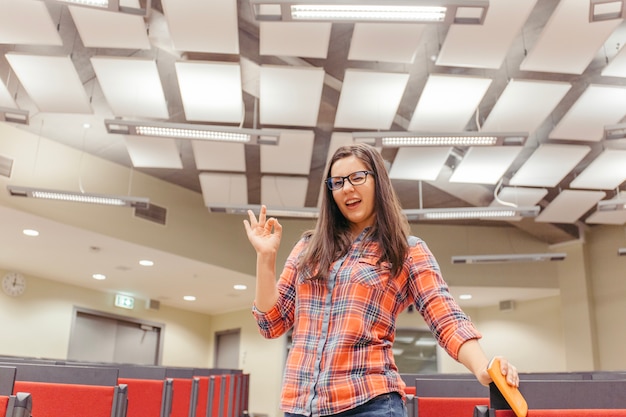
x,y
124,301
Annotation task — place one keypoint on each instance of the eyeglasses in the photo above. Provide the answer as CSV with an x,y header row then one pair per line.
x,y
356,178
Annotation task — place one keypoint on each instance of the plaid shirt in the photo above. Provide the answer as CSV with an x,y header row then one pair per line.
x,y
344,327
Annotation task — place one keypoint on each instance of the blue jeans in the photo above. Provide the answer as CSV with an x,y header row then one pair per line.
x,y
386,405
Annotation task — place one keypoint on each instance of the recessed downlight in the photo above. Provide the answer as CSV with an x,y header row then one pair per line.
x,y
99,277
240,287
146,262
30,232
189,298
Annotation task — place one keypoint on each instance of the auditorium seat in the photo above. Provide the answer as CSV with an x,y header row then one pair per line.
x,y
577,398
456,397
149,390
184,391
70,390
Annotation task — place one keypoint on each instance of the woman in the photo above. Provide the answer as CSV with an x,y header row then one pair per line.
x,y
341,290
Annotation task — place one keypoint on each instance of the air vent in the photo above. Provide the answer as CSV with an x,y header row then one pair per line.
x,y
6,166
153,213
152,304
507,305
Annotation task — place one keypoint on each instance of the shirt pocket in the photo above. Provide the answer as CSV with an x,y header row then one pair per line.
x,y
369,273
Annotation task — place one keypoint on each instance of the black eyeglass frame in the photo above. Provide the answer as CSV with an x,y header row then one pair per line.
x,y
330,180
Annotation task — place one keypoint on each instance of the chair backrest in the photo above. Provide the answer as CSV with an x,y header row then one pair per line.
x,y
464,387
71,390
456,397
184,391
569,394
150,392
7,379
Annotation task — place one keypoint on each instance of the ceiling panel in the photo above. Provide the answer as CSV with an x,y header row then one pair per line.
x,y
598,106
486,45
569,206
51,82
220,189
27,23
447,103
385,42
538,98
306,40
132,86
104,29
416,163
485,165
569,41
211,91
369,99
292,155
283,192
203,26
147,152
539,170
606,172
290,96
219,156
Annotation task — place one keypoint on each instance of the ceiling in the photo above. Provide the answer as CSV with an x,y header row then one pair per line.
x,y
534,66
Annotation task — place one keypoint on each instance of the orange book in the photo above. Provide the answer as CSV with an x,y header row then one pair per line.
x,y
511,394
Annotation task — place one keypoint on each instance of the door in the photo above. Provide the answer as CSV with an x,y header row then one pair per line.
x,y
101,337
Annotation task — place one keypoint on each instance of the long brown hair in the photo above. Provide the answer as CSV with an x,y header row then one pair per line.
x,y
331,237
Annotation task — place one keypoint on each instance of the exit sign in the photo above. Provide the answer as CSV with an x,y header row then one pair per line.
x,y
124,301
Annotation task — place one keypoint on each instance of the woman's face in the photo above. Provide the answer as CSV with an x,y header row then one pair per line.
x,y
356,202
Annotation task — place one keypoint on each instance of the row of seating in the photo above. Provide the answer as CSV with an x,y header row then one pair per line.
x,y
547,394
51,388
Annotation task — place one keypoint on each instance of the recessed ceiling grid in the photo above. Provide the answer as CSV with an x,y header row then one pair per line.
x,y
199,62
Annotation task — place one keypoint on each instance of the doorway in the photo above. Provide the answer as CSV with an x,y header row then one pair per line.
x,y
227,349
104,337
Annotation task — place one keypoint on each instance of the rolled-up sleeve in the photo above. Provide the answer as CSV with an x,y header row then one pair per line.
x,y
277,320
447,321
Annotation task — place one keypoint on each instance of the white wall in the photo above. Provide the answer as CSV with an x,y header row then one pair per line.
x,y
38,323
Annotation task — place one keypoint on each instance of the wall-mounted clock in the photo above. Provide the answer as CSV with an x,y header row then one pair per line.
x,y
14,284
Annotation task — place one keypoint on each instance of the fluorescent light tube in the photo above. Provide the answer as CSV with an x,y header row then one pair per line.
x,y
295,212
194,132
78,197
463,213
366,13
400,139
352,11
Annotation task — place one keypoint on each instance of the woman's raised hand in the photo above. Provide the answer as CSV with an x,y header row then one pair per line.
x,y
264,234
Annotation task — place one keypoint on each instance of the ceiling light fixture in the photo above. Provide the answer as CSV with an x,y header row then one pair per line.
x,y
614,132
303,212
13,115
194,132
464,213
78,197
612,205
511,257
621,251
600,10
111,5
400,139
399,11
